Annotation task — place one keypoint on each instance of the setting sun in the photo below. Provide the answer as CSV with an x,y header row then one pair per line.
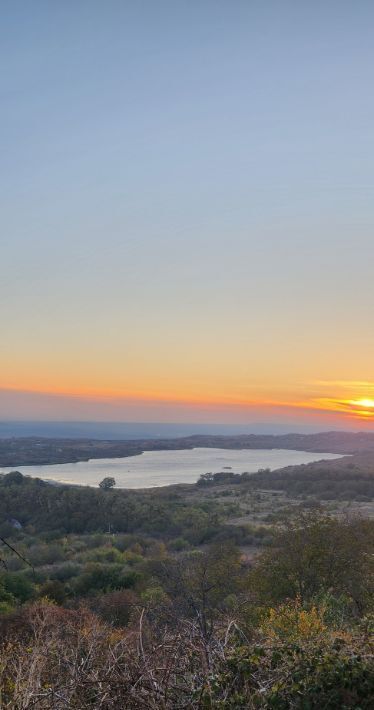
x,y
363,403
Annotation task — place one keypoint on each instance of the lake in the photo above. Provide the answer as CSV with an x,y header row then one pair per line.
x,y
163,468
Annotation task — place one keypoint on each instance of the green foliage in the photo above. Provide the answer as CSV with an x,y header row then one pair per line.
x,y
104,577
200,582
14,478
53,590
335,673
59,510
44,554
105,554
290,628
18,586
107,483
65,571
314,553
178,544
321,482
7,599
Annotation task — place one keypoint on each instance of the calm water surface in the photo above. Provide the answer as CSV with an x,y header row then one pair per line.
x,y
162,468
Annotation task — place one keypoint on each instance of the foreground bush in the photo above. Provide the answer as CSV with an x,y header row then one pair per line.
x,y
55,658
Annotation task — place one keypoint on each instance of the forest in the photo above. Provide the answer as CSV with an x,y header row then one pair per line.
x,y
172,598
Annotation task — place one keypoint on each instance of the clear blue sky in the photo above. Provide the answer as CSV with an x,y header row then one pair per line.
x,y
183,179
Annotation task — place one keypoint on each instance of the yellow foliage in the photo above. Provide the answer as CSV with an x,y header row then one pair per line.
x,y
293,622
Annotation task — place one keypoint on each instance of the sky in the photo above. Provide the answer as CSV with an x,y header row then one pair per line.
x,y
187,211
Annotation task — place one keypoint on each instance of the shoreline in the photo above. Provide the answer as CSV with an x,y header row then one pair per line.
x,y
160,469
45,451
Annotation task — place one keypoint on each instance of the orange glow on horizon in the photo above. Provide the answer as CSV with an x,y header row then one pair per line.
x,y
361,408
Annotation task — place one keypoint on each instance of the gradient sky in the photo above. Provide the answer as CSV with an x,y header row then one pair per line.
x,y
187,210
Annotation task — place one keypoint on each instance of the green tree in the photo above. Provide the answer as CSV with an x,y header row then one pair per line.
x,y
107,483
19,586
201,583
13,478
315,552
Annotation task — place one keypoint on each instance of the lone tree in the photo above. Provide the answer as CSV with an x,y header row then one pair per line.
x,y
107,483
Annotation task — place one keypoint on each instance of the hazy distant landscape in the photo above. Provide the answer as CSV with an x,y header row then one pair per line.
x,y
136,430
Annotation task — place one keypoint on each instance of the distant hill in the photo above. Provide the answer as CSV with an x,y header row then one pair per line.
x,y
136,430
18,451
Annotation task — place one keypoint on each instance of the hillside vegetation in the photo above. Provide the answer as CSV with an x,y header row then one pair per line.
x,y
218,595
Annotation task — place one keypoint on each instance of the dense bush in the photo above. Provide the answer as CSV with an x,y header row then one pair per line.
x,y
313,553
182,618
59,510
54,658
322,483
